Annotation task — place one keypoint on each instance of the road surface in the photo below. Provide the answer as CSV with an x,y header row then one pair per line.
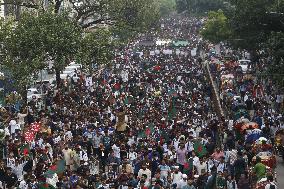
x,y
280,173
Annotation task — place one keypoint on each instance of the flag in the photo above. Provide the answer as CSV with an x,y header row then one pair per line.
x,y
116,86
188,166
46,186
157,68
128,100
173,93
35,126
172,109
58,168
29,136
25,150
146,132
199,149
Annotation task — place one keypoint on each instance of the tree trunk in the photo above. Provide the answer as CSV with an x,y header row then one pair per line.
x,y
58,79
24,94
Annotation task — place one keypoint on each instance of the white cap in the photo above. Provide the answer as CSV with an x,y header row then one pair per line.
x,y
184,176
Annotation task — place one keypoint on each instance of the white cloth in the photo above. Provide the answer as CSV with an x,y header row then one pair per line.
x,y
23,185
18,170
269,184
176,177
181,183
146,172
201,166
52,181
196,161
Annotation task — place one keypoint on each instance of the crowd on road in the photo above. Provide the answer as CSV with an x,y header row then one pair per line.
x,y
145,122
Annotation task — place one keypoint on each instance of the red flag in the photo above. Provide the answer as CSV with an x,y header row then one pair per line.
x,y
157,68
29,136
35,126
116,86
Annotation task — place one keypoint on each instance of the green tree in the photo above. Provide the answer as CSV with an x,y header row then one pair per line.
x,y
276,67
61,38
199,7
94,13
167,7
29,43
96,47
182,5
217,28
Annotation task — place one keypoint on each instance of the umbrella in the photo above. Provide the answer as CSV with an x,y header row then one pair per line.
x,y
250,125
253,135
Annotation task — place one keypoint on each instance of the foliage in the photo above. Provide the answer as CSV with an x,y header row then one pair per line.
x,y
203,6
167,7
60,37
276,45
216,28
199,7
134,15
181,5
96,47
250,23
27,44
94,13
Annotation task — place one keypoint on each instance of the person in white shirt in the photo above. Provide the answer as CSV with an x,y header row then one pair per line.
x,y
221,165
116,151
132,155
14,126
271,184
145,171
202,166
67,156
176,176
18,169
11,160
21,118
196,160
182,182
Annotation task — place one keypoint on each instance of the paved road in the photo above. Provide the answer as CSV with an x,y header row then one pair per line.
x,y
280,173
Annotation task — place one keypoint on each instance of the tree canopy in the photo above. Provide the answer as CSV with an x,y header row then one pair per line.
x,y
167,7
29,43
217,27
253,25
91,13
199,7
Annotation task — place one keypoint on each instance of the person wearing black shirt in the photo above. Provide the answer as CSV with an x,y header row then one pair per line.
x,y
10,178
266,131
2,171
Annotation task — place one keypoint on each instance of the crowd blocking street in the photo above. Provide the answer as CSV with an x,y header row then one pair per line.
x,y
149,121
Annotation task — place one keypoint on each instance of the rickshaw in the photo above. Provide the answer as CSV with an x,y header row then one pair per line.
x,y
269,171
267,158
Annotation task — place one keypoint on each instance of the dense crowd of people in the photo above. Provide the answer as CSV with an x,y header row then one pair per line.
x,y
146,122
